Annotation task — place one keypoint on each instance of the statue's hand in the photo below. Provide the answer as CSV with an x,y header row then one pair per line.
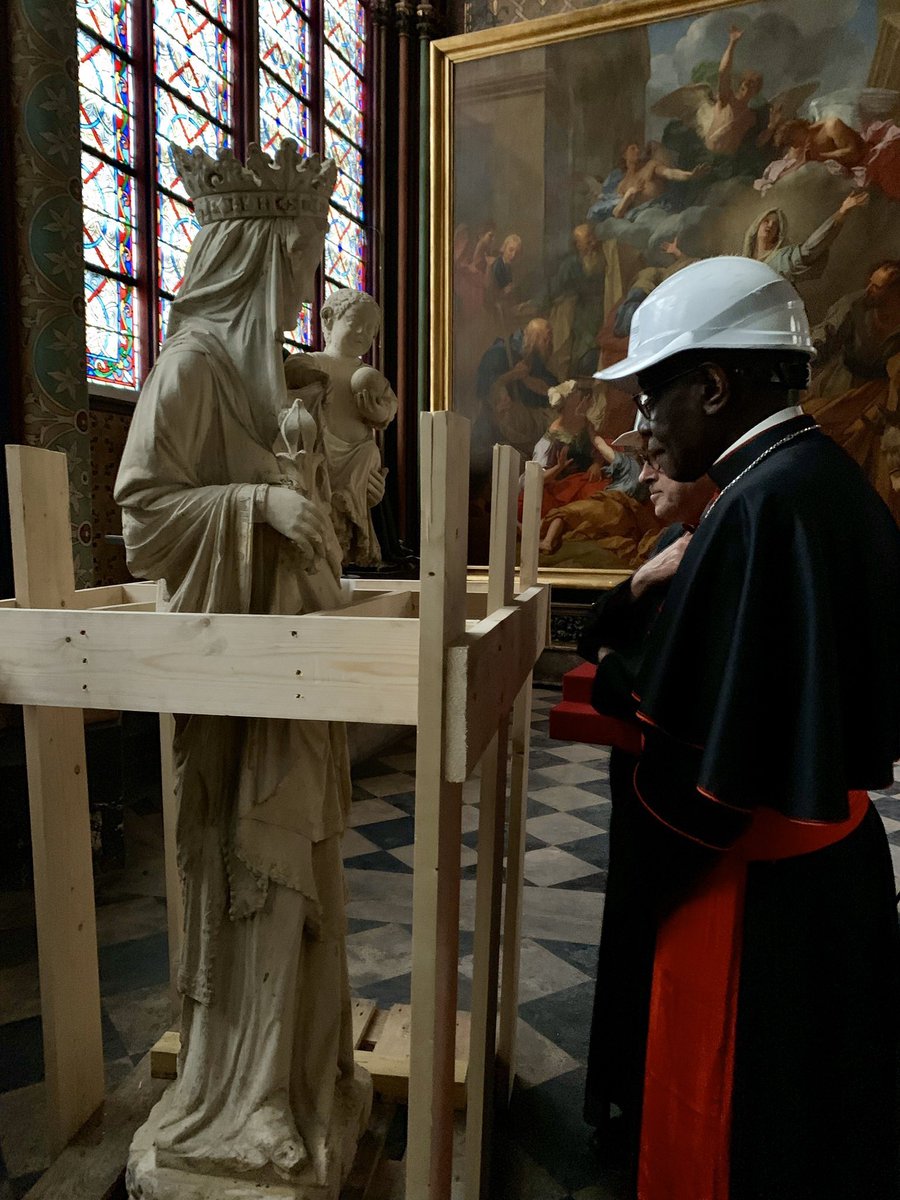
x,y
377,411
297,519
375,485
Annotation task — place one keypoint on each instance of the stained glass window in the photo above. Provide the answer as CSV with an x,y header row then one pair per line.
x,y
163,72
193,59
344,61
105,87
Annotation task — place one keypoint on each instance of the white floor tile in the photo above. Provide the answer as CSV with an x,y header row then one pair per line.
x,y
565,798
558,828
376,954
388,785
578,751
369,812
354,844
551,865
569,772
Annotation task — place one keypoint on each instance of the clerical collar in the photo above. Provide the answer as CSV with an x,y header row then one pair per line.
x,y
777,418
760,440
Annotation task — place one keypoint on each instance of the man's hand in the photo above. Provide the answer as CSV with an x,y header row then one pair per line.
x,y
297,519
661,568
375,485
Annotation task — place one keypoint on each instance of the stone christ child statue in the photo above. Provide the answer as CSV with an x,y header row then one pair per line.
x,y
360,401
225,497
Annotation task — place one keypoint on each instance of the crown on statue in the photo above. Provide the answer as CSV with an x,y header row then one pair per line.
x,y
284,185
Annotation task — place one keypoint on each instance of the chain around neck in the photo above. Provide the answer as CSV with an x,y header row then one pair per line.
x,y
765,454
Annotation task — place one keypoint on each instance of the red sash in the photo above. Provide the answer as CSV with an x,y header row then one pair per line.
x,y
686,1121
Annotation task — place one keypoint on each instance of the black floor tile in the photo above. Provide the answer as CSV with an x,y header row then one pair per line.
x,y
389,835
21,1054
379,860
126,966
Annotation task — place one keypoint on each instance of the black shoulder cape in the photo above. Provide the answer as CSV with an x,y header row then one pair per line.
x,y
774,661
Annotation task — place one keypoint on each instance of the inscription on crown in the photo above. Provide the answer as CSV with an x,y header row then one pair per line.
x,y
286,185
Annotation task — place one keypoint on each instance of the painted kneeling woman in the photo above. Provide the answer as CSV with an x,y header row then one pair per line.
x,y
225,497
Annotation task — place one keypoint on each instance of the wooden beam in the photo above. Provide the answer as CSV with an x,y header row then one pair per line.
x,y
324,668
174,897
58,800
489,877
518,808
486,670
444,466
402,603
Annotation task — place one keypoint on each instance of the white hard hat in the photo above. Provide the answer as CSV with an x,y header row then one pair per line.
x,y
729,303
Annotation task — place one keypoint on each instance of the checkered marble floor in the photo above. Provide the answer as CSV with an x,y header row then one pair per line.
x,y
548,1156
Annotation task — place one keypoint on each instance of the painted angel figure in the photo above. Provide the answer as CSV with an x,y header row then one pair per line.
x,y
725,119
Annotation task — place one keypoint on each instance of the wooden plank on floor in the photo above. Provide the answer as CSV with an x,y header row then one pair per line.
x,y
394,1039
93,1165
164,1055
363,1012
58,802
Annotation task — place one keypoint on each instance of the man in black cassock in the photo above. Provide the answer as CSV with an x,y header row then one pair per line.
x,y
769,704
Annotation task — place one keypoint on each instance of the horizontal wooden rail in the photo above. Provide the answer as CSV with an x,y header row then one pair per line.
x,y
485,671
344,668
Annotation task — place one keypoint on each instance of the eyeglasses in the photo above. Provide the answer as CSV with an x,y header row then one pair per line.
x,y
647,400
644,458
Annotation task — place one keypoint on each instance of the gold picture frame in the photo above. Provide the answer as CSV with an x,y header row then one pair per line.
x,y
492,91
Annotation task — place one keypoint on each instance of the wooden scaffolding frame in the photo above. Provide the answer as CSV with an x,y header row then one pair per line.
x,y
453,659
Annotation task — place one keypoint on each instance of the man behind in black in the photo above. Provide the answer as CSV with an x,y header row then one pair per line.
x,y
613,636
769,703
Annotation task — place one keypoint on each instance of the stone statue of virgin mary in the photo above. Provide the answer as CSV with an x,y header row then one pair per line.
x,y
225,496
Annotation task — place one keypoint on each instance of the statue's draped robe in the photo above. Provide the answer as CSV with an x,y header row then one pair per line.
x,y
266,1030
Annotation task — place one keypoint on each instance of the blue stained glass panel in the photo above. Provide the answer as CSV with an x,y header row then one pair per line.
x,y
103,99
104,189
177,122
346,155
353,13
343,97
349,195
220,9
286,52
346,234
281,115
165,307
176,229
108,243
107,18
301,334
109,322
342,266
199,69
344,39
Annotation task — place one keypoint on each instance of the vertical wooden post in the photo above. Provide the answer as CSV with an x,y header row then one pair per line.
x,y
174,900
60,819
444,462
491,822
518,805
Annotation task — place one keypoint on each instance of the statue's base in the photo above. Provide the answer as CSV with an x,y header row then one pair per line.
x,y
147,1179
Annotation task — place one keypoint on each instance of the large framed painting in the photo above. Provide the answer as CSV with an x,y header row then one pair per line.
x,y
580,160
